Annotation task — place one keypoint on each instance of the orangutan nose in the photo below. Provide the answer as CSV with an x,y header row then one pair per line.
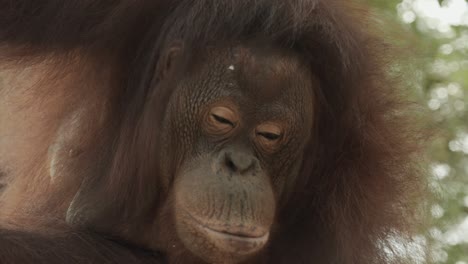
x,y
238,161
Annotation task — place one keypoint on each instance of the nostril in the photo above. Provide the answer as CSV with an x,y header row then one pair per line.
x,y
238,162
230,164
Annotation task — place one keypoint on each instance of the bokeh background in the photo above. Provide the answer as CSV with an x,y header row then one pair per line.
x,y
435,32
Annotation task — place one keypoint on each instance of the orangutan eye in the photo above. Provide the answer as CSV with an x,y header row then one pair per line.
x,y
269,136
221,120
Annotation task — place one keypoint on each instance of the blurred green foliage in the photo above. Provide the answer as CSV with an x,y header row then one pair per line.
x,y
437,33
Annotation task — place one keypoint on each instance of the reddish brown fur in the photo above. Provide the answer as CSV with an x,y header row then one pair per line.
x,y
359,182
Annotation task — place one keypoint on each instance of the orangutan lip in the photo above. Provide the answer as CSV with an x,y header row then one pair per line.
x,y
236,243
239,234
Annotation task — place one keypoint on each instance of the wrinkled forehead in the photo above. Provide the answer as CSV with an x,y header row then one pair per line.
x,y
264,73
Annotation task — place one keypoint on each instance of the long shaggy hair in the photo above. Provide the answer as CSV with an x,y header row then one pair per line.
x,y
360,183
